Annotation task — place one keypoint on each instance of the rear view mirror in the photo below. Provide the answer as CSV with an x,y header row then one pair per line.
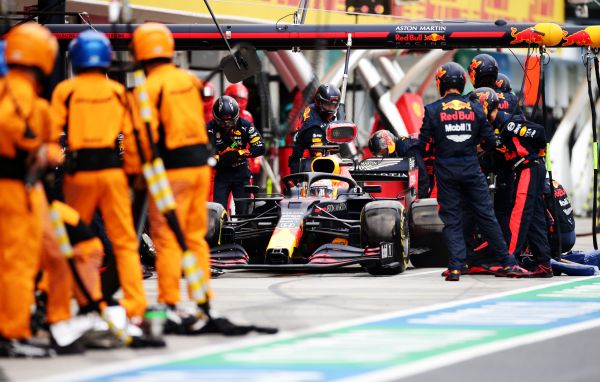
x,y
247,59
341,132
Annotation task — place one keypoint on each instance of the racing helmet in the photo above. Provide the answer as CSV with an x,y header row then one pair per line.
x,y
3,66
483,70
152,40
503,83
239,92
322,188
488,98
450,76
226,112
31,45
327,100
91,49
382,143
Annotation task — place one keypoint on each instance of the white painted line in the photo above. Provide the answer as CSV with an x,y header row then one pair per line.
x,y
412,274
100,371
437,362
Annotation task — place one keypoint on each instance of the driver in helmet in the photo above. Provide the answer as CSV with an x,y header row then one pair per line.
x,y
315,119
235,140
322,189
385,144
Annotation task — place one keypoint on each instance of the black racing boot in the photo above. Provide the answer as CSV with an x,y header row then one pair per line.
x,y
178,321
75,347
542,271
23,349
463,271
453,275
512,271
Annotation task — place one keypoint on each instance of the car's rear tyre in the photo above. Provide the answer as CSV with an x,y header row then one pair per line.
x,y
216,216
386,221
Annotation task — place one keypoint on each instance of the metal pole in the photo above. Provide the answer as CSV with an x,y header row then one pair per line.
x,y
342,109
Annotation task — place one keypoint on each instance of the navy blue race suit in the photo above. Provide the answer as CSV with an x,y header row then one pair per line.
x,y
493,162
233,150
564,214
456,126
522,141
509,103
311,133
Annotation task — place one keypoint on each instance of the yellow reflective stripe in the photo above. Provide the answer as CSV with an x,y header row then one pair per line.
x,y
188,259
159,165
60,232
166,192
119,333
194,277
139,77
143,97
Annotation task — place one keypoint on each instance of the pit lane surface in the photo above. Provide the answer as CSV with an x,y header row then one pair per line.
x,y
297,302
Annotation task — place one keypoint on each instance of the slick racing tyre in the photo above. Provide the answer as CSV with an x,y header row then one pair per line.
x,y
216,216
385,221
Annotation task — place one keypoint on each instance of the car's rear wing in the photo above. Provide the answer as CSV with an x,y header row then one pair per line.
x,y
385,169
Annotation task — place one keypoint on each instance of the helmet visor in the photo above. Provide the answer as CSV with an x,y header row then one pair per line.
x,y
330,107
228,123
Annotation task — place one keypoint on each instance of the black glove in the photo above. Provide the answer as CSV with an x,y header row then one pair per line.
x,y
230,157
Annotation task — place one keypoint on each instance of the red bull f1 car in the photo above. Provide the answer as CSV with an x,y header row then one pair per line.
x,y
327,220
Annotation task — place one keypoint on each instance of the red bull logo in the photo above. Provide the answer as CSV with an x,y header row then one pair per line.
x,y
456,105
440,73
458,116
474,65
483,100
435,37
438,77
581,38
499,84
528,36
409,37
504,105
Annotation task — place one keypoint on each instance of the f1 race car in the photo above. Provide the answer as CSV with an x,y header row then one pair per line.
x,y
326,220
322,220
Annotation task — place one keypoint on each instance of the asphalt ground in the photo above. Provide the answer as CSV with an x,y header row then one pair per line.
x,y
298,302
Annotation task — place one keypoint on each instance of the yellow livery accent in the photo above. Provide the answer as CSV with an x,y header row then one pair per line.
x,y
286,238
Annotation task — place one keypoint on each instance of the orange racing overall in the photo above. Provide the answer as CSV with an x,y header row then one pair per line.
x,y
92,111
179,131
24,130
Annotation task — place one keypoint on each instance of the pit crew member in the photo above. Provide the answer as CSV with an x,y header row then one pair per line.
x,y
315,119
521,142
235,140
455,126
385,144
239,92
